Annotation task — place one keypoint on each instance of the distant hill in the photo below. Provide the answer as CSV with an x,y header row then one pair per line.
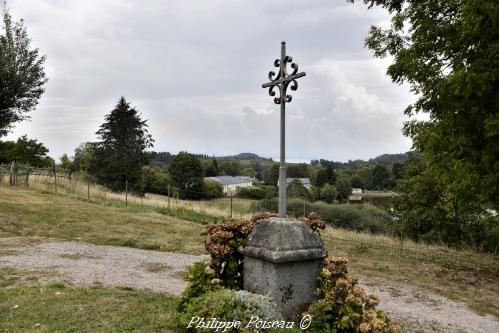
x,y
391,159
163,159
385,159
244,156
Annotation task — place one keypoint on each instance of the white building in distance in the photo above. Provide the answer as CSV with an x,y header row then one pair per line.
x,y
231,184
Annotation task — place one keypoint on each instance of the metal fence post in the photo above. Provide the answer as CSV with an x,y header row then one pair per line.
x,y
230,204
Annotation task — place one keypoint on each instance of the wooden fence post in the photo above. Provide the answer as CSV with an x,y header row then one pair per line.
x,y
12,173
88,188
27,177
55,180
126,192
169,197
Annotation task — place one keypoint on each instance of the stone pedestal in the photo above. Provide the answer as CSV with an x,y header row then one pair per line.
x,y
283,259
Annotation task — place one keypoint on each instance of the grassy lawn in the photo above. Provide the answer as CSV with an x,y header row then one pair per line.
x,y
30,213
54,308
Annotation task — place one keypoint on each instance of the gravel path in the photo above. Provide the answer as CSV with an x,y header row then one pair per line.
x,y
83,264
420,311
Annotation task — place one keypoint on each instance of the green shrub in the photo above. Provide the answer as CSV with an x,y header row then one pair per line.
x,y
258,192
200,279
296,189
212,190
355,217
228,306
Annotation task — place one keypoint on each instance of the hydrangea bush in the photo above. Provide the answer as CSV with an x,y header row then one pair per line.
x,y
343,306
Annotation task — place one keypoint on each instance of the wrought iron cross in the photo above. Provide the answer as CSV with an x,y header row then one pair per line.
x,y
282,81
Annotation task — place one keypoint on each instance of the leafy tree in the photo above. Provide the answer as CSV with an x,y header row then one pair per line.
x,y
398,170
328,193
365,173
343,186
187,175
428,210
299,170
320,178
66,163
212,169
330,174
296,189
155,180
212,190
271,174
231,168
21,73
120,153
83,157
256,165
381,177
249,172
447,52
357,181
25,151
315,193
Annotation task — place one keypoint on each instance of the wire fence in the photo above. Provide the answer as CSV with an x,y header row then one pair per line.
x,y
343,241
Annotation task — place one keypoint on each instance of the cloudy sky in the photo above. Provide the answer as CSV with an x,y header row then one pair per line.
x,y
194,69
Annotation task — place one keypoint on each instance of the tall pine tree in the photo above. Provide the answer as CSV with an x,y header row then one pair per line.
x,y
120,153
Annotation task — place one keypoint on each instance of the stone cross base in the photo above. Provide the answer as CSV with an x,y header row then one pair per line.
x,y
283,259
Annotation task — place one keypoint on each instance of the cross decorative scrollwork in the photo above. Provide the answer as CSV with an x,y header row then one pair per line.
x,y
282,81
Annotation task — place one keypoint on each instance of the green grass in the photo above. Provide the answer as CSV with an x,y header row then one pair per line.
x,y
54,308
29,213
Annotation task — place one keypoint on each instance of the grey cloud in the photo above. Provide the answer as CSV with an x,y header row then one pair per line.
x,y
195,69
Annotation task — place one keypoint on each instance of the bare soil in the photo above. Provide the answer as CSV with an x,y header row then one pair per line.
x,y
82,264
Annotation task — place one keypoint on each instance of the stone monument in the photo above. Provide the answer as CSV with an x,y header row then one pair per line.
x,y
283,257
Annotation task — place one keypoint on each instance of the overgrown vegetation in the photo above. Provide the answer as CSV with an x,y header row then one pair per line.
x,y
356,217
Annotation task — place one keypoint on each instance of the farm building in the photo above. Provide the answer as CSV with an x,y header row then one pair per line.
x,y
231,184
304,181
